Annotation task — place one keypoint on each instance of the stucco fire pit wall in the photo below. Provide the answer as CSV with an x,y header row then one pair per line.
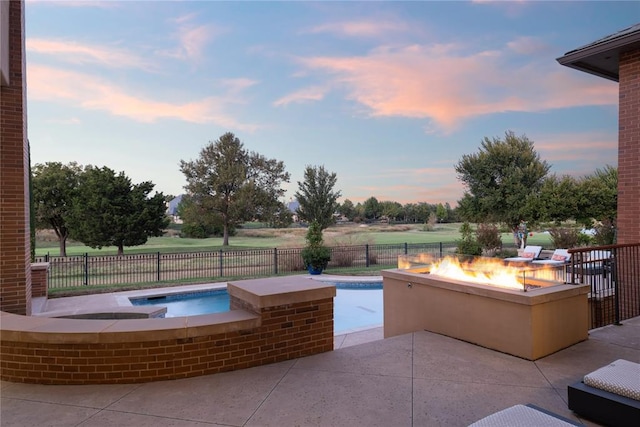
x,y
276,319
530,324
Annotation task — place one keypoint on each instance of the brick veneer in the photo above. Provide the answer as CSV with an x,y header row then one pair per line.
x,y
629,179
629,148
70,351
40,279
15,268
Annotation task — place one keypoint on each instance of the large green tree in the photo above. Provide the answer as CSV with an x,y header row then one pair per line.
x,y
316,196
108,210
600,195
347,209
54,187
197,221
371,208
237,185
502,181
559,199
392,210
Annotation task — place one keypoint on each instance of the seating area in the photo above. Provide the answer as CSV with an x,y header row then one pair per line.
x,y
529,253
609,395
559,257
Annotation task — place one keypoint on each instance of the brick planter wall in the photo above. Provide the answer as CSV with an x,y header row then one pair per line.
x,y
70,351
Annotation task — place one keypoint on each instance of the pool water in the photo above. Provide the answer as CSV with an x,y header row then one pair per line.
x,y
356,305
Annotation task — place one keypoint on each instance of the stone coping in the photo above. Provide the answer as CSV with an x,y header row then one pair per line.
x,y
274,292
530,297
74,331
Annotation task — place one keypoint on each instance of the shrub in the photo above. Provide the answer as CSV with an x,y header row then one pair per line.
x,y
343,257
468,245
605,233
430,225
315,255
489,239
564,237
290,260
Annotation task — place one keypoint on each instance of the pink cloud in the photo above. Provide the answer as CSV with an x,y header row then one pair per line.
x,y
446,86
92,93
238,85
578,148
78,53
314,93
359,28
446,192
431,185
192,38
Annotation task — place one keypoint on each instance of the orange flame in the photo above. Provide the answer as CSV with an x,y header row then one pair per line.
x,y
484,271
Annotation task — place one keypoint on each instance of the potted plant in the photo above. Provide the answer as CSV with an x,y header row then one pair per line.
x,y
315,255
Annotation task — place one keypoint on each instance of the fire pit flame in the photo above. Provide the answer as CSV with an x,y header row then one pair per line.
x,y
482,271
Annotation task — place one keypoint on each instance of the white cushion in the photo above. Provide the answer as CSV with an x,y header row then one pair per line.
x,y
620,377
520,416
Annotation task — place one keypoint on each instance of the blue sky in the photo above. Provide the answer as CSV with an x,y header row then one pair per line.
x,y
389,95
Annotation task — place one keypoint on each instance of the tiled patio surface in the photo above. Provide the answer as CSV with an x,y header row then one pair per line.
x,y
418,379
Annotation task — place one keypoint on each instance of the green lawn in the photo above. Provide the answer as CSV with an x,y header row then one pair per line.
x,y
251,238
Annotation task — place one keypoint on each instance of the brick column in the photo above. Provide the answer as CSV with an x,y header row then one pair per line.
x,y
15,262
629,149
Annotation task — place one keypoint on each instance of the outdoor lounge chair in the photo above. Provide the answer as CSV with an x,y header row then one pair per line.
x,y
559,257
609,395
524,415
528,254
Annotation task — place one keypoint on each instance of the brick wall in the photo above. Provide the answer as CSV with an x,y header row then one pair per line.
x,y
279,333
15,265
629,149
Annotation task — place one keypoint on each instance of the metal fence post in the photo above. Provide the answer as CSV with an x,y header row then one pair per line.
x,y
406,248
220,261
275,260
441,252
158,266
613,263
366,255
86,269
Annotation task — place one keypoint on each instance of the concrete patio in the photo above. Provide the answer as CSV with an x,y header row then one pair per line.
x,y
418,379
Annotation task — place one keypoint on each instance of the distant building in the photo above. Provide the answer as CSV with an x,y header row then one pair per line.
x,y
172,209
293,206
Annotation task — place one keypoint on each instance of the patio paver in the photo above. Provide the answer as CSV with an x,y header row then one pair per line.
x,y
418,379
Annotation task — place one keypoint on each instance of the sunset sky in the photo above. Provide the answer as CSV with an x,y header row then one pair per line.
x,y
389,95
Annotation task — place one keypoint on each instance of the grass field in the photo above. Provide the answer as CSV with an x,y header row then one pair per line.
x,y
251,238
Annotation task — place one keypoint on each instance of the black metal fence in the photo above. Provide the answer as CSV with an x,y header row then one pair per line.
x,y
613,272
100,270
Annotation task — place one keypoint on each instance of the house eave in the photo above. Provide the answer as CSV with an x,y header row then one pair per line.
x,y
602,58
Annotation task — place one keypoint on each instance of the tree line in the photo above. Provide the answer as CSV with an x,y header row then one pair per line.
x,y
505,182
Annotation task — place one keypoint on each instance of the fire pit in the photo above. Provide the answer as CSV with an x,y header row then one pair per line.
x,y
518,310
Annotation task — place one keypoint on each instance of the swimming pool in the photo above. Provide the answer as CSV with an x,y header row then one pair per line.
x,y
357,305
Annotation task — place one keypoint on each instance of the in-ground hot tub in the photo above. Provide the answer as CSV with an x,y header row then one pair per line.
x,y
530,324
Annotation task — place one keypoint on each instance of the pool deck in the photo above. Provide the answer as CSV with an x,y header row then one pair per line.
x,y
417,379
